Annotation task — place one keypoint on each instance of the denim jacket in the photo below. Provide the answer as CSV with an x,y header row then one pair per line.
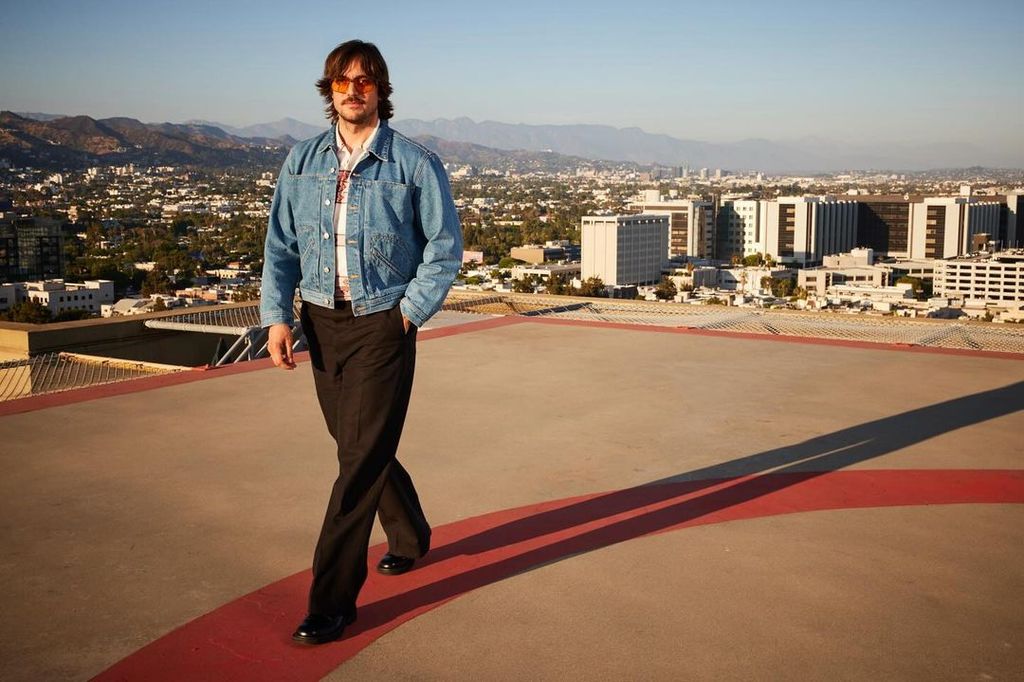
x,y
404,243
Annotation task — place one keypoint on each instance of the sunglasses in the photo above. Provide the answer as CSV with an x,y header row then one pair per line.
x,y
362,84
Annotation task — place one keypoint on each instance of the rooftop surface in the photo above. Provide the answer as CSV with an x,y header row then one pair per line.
x,y
610,501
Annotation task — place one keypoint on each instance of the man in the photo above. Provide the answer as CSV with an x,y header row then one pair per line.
x,y
363,223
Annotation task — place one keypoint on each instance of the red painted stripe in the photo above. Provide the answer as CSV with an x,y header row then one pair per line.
x,y
249,638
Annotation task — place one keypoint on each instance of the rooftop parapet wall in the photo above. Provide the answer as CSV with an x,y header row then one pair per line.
x,y
119,337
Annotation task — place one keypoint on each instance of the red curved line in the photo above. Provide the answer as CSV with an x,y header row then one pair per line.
x,y
249,638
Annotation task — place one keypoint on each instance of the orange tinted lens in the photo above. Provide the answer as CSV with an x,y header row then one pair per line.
x,y
362,85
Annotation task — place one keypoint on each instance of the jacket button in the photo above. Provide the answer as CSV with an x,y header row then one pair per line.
x,y
327,269
327,235
327,202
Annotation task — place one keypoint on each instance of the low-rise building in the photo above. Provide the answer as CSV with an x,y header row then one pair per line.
x,y
535,253
569,271
817,281
59,296
993,279
880,297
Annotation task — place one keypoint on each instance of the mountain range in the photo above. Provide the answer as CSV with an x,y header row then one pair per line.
x,y
516,144
807,154
78,141
57,142
286,127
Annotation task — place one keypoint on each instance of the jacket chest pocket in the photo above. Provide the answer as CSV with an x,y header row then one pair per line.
x,y
388,207
311,201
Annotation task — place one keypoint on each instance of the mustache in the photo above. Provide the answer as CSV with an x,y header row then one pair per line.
x,y
354,100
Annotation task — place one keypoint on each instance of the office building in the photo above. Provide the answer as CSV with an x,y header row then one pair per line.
x,y
993,279
945,227
30,249
624,250
739,228
691,224
803,230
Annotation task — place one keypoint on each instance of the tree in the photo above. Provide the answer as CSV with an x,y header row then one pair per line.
x,y
156,282
30,312
922,287
557,285
159,306
523,286
754,260
666,289
783,288
592,287
246,292
73,314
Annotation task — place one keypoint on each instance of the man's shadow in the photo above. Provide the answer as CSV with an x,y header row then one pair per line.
x,y
787,466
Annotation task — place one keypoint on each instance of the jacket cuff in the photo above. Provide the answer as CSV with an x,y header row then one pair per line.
x,y
268,320
414,314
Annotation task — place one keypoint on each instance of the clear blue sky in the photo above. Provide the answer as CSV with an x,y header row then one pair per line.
x,y
900,71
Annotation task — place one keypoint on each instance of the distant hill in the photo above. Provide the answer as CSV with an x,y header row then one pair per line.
x,y
77,141
633,144
467,153
286,127
36,116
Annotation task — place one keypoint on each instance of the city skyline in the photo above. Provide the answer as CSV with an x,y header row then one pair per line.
x,y
912,74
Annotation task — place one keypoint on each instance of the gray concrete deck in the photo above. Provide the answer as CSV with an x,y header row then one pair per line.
x,y
126,517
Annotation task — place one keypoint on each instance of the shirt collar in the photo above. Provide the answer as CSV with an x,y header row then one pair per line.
x,y
379,144
339,144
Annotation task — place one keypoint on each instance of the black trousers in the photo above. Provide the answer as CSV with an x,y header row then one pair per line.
x,y
363,371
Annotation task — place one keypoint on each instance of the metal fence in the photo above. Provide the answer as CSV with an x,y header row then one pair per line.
x,y
54,372
1005,338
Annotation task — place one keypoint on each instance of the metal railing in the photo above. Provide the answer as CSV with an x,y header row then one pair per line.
x,y
55,372
1005,338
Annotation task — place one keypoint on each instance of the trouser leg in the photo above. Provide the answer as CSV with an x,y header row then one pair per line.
x,y
363,369
401,515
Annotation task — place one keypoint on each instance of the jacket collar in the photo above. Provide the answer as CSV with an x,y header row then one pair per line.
x,y
380,146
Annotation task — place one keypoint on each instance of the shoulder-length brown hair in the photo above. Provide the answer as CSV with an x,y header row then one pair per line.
x,y
373,64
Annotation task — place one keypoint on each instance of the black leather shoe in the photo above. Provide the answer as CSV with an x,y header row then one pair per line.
x,y
317,629
393,564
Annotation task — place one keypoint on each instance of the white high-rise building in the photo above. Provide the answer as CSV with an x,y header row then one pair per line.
x,y
624,249
944,227
691,224
740,228
803,230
